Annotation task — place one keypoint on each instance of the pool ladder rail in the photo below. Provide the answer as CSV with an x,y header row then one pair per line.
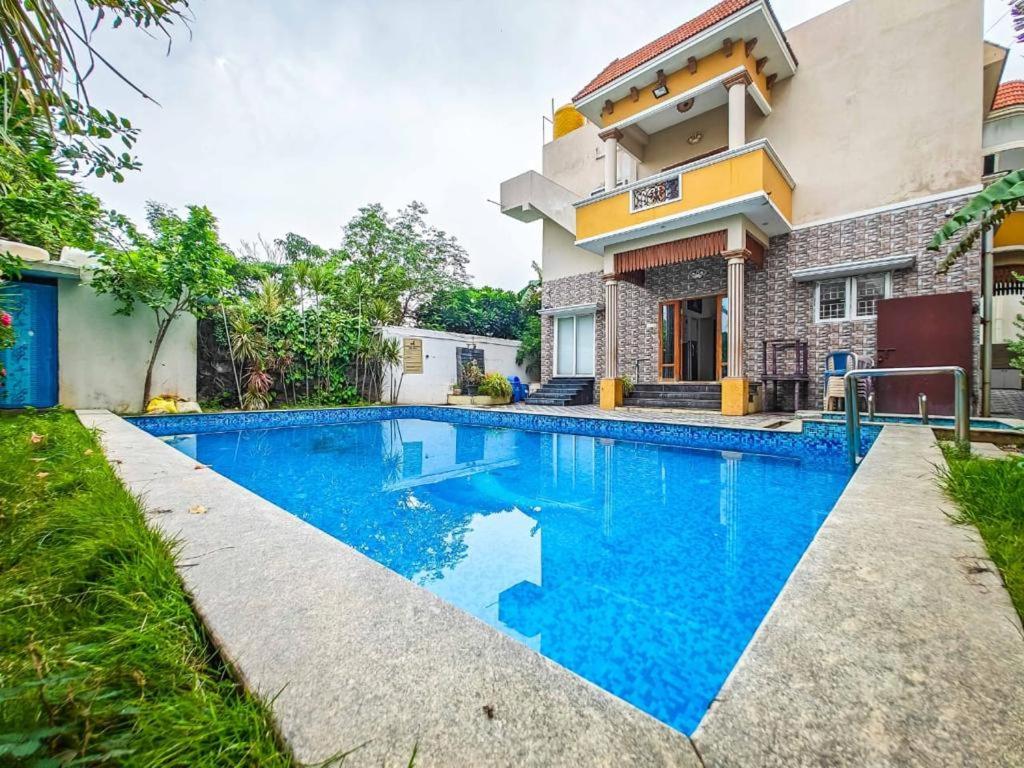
x,y
962,423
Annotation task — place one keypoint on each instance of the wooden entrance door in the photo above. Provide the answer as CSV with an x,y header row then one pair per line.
x,y
923,331
680,357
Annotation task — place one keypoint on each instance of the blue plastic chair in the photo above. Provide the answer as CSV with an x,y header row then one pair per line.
x,y
519,390
837,364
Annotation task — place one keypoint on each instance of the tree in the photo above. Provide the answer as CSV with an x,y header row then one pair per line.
x,y
482,311
39,203
399,259
47,53
181,267
528,355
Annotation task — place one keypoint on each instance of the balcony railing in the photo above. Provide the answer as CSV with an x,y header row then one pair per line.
x,y
749,180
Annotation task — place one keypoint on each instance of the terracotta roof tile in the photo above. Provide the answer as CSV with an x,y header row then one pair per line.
x,y
1009,94
693,27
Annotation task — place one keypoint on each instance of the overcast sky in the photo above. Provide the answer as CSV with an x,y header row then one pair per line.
x,y
290,115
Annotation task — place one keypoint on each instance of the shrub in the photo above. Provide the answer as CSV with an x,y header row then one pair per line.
x,y
627,385
496,385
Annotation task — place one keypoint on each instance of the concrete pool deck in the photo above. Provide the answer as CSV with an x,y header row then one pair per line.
x,y
892,643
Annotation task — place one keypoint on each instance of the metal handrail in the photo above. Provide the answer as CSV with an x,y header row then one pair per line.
x,y
962,427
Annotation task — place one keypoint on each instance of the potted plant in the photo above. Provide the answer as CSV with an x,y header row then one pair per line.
x,y
496,387
628,386
455,388
471,377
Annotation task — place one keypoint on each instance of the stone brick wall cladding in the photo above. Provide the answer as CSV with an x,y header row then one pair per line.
x,y
638,310
777,307
586,288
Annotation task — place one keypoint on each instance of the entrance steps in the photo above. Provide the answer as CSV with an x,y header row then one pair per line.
x,y
564,390
704,395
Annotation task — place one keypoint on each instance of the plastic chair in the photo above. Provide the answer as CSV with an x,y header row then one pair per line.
x,y
837,364
519,390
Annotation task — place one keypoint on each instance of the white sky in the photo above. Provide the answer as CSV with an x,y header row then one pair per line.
x,y
288,115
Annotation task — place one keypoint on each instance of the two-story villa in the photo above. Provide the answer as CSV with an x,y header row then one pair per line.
x,y
731,183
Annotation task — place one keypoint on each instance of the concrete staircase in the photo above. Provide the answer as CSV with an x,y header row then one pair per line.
x,y
703,395
564,390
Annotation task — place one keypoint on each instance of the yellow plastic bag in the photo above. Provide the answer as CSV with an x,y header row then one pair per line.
x,y
162,405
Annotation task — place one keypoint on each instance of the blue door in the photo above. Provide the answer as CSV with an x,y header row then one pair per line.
x,y
32,362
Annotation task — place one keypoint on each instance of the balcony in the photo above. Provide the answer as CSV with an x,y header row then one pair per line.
x,y
749,180
1011,232
531,196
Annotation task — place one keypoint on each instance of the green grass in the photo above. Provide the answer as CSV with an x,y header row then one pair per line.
x,y
990,495
102,660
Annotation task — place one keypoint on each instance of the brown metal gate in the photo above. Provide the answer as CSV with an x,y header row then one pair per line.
x,y
918,331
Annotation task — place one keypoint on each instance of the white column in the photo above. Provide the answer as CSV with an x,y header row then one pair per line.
x,y
611,158
737,112
611,328
734,287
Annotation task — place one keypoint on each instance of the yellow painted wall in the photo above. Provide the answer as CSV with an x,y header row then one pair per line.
x,y
1011,231
711,184
682,81
776,186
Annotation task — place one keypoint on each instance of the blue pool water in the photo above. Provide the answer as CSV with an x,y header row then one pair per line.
x,y
643,568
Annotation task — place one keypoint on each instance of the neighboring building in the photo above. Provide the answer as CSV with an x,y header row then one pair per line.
x,y
1004,151
72,350
730,184
431,359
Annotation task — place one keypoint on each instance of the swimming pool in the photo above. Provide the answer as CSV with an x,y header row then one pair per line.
x,y
643,567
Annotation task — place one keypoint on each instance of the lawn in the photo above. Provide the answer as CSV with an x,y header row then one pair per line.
x,y
990,495
102,660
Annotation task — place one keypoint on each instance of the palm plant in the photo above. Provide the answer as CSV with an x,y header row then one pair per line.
x,y
258,383
985,211
46,42
249,345
47,53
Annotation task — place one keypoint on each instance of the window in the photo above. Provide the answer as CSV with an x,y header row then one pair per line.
x,y
850,298
832,299
868,290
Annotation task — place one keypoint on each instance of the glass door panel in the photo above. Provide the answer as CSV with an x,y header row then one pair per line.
x,y
585,345
565,345
723,336
668,361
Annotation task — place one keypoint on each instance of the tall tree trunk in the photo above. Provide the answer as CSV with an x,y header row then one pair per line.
x,y
161,331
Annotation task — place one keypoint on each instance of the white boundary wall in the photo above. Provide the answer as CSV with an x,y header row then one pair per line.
x,y
439,368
